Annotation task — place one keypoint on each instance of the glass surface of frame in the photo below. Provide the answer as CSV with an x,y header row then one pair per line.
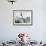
x,y
22,17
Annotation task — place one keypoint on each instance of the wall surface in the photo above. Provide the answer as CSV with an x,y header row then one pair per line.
x,y
37,31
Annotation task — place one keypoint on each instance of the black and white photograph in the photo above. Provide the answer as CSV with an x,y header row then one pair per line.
x,y
22,16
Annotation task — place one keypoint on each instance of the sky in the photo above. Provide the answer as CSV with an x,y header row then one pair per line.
x,y
24,14
8,31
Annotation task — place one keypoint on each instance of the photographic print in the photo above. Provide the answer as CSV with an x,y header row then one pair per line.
x,y
22,16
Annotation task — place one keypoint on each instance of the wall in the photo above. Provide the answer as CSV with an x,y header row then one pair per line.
x,y
37,31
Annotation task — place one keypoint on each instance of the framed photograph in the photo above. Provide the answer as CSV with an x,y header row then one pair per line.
x,y
22,17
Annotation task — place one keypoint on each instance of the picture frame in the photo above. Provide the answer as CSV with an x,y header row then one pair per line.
x,y
22,17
